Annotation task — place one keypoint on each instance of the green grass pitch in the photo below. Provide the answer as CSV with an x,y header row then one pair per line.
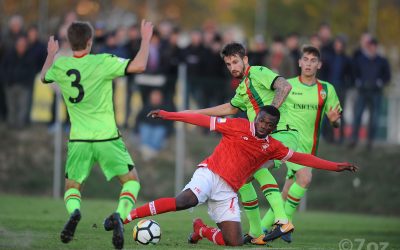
x,y
35,223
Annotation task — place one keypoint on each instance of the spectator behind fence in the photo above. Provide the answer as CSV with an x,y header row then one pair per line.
x,y
131,47
293,45
279,59
3,106
214,88
194,56
372,74
152,132
259,51
340,75
18,72
155,75
175,56
37,51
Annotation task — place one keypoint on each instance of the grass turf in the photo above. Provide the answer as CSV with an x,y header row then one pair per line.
x,y
28,222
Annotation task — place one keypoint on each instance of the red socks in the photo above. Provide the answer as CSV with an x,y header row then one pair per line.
x,y
213,235
159,206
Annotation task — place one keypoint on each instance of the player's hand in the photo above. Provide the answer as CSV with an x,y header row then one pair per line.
x,y
334,114
52,46
146,30
345,166
154,114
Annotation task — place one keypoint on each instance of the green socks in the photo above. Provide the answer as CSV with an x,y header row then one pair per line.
x,y
249,199
127,198
270,189
295,193
72,199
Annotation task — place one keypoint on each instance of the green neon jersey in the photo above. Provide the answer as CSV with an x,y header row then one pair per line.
x,y
255,91
86,86
306,105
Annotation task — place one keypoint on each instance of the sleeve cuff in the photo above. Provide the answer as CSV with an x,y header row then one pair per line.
x,y
273,82
236,106
47,81
126,68
288,156
212,123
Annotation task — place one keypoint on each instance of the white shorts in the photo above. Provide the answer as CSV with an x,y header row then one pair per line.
x,y
221,198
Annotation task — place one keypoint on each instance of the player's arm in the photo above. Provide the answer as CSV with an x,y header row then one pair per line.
x,y
315,162
282,89
52,49
192,118
220,110
139,63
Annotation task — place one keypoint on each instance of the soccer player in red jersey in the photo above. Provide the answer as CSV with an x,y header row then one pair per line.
x,y
245,146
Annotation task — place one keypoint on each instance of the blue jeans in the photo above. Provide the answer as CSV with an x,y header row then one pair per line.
x,y
372,101
152,136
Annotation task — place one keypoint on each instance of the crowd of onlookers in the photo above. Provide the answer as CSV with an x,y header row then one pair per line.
x,y
22,54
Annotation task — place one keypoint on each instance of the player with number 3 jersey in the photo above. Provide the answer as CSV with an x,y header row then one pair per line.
x,y
85,81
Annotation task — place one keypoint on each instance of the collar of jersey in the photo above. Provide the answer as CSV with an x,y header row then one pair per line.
x,y
80,56
307,84
246,73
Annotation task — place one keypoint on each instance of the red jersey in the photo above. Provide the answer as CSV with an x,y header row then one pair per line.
x,y
240,153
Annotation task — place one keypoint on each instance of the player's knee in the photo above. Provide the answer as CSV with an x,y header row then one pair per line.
x,y
304,178
72,184
186,199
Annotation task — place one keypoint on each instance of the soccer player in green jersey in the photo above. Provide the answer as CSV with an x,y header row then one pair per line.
x,y
306,104
85,81
259,86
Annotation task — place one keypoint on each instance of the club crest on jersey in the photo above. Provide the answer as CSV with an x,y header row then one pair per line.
x,y
264,146
221,120
322,93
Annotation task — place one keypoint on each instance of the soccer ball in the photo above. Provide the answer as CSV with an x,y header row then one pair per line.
x,y
147,232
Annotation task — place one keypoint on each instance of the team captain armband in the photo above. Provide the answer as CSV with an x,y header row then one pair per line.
x,y
288,156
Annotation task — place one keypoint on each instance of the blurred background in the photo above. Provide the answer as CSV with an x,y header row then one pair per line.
x,y
186,71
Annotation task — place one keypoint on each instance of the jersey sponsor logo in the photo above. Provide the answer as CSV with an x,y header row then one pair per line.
x,y
322,93
305,106
221,120
264,146
297,93
197,190
245,138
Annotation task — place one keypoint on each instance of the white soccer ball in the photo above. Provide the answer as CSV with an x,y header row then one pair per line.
x,y
147,232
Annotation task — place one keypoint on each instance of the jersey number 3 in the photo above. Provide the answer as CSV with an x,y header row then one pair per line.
x,y
77,85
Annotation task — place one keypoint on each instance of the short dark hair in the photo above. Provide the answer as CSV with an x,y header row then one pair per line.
x,y
271,110
233,49
309,49
79,33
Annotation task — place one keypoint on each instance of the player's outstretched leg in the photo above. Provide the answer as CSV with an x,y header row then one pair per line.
x,y
67,233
